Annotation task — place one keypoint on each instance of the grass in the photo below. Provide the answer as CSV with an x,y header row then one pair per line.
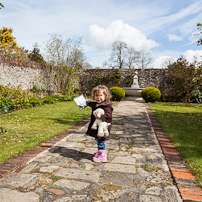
x,y
29,127
183,124
55,178
131,144
150,168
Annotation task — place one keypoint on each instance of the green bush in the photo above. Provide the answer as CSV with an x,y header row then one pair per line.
x,y
61,97
117,93
181,81
50,100
68,98
151,94
57,98
198,96
16,98
34,102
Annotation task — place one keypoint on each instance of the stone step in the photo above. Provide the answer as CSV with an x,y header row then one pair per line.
x,y
135,99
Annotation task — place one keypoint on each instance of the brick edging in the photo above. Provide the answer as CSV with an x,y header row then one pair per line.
x,y
184,179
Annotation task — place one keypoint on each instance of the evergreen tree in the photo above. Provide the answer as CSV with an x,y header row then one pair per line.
x,y
35,54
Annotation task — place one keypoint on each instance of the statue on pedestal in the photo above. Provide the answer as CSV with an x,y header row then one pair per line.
x,y
135,82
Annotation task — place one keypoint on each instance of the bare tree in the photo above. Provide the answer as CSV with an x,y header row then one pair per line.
x,y
65,57
87,65
118,54
132,58
167,62
145,57
123,56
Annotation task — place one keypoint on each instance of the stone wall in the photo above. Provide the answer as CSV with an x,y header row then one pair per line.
x,y
146,78
16,71
14,76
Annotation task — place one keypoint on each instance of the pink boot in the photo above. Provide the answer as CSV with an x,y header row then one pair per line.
x,y
96,153
101,156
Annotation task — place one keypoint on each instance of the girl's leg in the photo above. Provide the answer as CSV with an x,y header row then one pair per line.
x,y
100,144
100,155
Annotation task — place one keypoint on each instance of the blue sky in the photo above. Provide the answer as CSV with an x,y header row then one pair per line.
x,y
166,28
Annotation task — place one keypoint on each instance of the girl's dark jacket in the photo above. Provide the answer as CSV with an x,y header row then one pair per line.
x,y
107,107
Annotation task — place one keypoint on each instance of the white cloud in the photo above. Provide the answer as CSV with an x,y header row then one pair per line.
x,y
190,55
102,38
174,37
193,56
162,62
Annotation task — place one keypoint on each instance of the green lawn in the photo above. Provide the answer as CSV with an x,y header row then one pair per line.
x,y
183,124
29,127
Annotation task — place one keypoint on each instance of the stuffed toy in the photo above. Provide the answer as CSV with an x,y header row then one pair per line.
x,y
102,125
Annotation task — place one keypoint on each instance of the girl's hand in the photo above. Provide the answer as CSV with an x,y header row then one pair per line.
x,y
97,116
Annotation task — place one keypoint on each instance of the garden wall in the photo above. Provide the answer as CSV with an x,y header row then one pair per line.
x,y
121,78
15,71
26,73
14,76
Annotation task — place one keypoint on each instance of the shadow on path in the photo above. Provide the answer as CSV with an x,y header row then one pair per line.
x,y
71,153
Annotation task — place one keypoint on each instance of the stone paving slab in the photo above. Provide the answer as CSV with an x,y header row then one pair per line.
x,y
120,168
17,180
136,169
79,174
8,195
71,184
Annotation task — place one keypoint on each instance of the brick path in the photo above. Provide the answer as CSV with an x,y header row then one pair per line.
x,y
136,169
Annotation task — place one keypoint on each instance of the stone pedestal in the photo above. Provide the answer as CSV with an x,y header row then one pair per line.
x,y
134,99
136,92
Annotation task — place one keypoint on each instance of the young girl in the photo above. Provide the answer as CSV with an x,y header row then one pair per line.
x,y
102,96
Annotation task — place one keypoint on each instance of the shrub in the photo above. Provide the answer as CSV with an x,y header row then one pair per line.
x,y
50,100
16,98
117,93
198,96
61,97
67,98
182,79
57,98
151,94
35,102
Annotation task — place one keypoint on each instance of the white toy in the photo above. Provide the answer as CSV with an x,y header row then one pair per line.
x,y
102,125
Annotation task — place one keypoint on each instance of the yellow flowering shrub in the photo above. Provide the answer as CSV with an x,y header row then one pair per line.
x,y
8,43
6,37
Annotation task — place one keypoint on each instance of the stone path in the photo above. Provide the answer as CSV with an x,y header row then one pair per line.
x,y
136,169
